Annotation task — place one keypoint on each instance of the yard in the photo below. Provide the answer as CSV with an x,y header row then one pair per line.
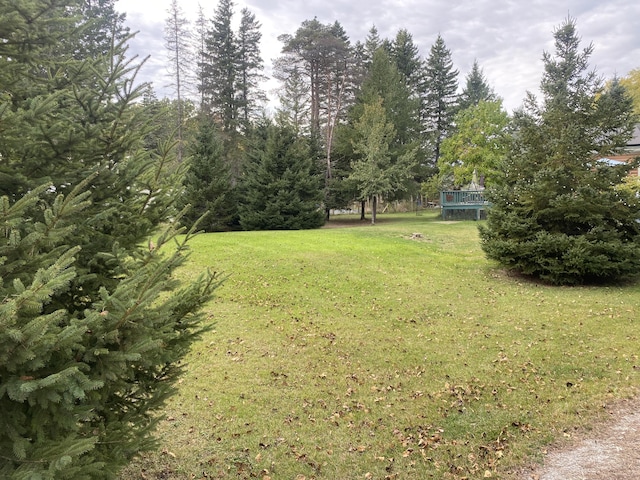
x,y
394,351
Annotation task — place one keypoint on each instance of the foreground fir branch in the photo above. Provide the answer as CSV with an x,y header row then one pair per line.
x,y
93,323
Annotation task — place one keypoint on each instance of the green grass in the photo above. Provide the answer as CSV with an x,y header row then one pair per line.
x,y
357,353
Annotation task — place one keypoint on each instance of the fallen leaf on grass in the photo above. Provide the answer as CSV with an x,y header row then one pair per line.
x,y
167,452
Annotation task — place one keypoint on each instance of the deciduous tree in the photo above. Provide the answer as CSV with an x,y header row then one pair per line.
x,y
374,171
632,83
478,144
178,43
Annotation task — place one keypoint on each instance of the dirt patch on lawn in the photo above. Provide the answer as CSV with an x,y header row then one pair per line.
x,y
610,451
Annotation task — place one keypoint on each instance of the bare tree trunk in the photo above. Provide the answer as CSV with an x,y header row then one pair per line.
x,y
374,208
176,43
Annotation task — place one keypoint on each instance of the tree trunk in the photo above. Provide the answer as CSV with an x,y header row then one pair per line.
x,y
363,204
374,207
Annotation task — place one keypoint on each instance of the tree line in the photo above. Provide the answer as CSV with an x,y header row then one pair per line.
x,y
332,92
376,120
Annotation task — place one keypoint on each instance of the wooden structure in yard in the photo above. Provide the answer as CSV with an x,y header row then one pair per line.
x,y
463,204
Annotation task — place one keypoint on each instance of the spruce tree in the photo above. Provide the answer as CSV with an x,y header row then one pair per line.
x,y
282,187
407,58
386,82
250,66
208,187
371,44
476,89
294,102
439,103
92,321
103,27
199,49
220,69
559,213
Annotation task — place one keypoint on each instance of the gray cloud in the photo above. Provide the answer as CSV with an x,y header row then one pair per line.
x,y
507,37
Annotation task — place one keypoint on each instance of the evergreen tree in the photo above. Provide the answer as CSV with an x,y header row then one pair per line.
x,y
200,50
476,89
412,68
371,44
282,187
93,324
313,52
162,115
250,67
321,55
220,69
440,98
407,58
102,27
208,187
400,110
294,102
558,213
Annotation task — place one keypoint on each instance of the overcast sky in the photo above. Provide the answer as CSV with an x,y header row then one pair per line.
x,y
507,37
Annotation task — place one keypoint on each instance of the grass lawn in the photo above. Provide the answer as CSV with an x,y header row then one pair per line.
x,y
373,353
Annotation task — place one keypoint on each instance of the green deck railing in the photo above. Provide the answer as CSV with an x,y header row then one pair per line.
x,y
451,200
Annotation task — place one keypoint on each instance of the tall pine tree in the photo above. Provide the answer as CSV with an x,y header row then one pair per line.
x,y
558,212
294,102
93,323
476,89
250,66
200,58
220,70
407,57
439,104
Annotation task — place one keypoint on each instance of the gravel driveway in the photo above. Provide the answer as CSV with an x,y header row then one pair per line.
x,y
611,451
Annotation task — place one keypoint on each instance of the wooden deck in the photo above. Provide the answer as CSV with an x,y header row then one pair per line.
x,y
457,201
